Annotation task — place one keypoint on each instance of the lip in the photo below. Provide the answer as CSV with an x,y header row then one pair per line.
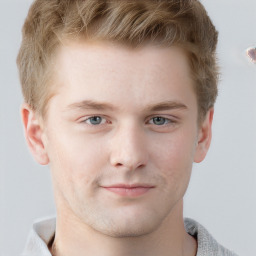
x,y
129,190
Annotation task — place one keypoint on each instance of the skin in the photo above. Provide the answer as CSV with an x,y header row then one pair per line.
x,y
120,116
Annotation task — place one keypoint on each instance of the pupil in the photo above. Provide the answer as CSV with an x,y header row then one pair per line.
x,y
95,120
159,120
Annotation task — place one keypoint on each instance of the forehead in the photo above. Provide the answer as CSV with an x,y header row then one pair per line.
x,y
112,72
118,57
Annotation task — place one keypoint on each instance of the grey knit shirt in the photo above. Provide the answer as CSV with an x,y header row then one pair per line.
x,y
207,245
43,231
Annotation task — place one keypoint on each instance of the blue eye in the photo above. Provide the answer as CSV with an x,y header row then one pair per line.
x,y
158,120
95,120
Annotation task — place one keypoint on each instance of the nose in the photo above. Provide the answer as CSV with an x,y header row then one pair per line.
x,y
128,148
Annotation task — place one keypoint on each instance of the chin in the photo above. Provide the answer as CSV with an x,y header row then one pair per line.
x,y
133,230
126,226
125,219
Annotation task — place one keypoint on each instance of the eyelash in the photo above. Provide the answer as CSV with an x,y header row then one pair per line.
x,y
167,121
89,118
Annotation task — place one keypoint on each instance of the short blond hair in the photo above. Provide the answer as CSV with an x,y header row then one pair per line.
x,y
131,22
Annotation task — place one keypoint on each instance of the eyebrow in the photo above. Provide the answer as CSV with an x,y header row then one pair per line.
x,y
94,105
167,105
89,104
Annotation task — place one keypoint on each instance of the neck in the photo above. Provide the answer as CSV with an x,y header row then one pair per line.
x,y
73,237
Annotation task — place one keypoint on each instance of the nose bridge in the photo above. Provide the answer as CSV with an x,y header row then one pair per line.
x,y
128,147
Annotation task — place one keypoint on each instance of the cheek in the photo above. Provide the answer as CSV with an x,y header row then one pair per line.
x,y
175,150
173,158
74,159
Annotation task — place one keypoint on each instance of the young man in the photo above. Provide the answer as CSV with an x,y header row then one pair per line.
x,y
119,100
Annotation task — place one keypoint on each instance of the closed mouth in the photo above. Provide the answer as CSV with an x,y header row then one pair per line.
x,y
130,190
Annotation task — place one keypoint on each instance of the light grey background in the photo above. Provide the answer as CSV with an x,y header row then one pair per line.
x,y
222,192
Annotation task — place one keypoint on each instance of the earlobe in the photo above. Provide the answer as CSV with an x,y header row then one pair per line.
x,y
34,134
204,137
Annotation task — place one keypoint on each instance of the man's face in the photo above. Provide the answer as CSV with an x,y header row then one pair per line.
x,y
121,135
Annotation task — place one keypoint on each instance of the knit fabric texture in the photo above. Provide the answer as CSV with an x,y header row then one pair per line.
x,y
207,245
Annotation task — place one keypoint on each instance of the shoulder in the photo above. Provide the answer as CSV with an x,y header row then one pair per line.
x,y
207,245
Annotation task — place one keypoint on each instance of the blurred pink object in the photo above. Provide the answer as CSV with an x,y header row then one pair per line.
x,y
251,52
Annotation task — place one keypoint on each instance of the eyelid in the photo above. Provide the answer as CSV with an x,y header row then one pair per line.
x,y
86,118
102,120
172,119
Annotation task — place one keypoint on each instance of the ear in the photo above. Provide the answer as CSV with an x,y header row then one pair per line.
x,y
34,134
204,137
